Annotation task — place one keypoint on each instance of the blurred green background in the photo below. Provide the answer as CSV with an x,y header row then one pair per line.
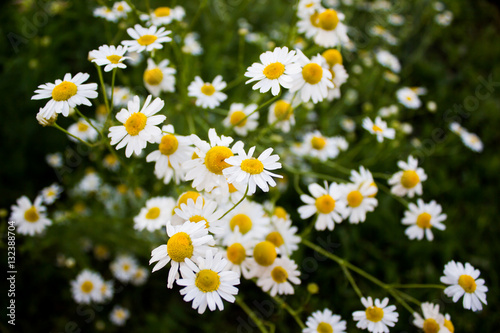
x,y
41,41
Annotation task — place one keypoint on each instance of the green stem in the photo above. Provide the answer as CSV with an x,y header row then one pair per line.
x,y
292,312
351,281
398,198
105,95
381,175
236,204
416,285
251,314
88,121
74,136
258,108
197,15
337,167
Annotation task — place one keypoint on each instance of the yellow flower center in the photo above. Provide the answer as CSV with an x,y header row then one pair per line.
x,y
101,110
279,274
252,165
207,89
243,222
280,212
114,58
31,214
162,11
431,326
198,218
318,142
135,123
153,213
120,314
168,144
375,128
104,288
408,98
409,179
236,253
183,199
275,238
147,40
64,91
449,325
324,328
328,20
180,247
274,70
332,57
314,18
122,188
264,253
325,204
232,189
120,8
82,127
87,286
467,283
238,118
126,267
424,220
374,314
207,280
283,110
215,159
312,73
354,198
153,76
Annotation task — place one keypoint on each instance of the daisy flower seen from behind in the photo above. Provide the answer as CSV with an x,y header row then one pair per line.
x,y
147,39
409,181
110,56
208,95
421,218
324,321
377,317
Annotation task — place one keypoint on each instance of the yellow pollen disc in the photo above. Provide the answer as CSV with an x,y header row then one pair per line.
x,y
467,283
252,165
274,70
449,325
238,118
424,220
279,274
101,110
374,194
314,18
280,212
122,188
119,8
104,288
324,328
312,73
183,199
198,218
168,144
264,253
318,142
283,110
215,159
194,156
408,98
126,267
409,179
309,5
64,91
207,280
153,213
120,314
232,189
374,314
328,20
110,159
207,89
82,127
242,221
275,238
153,76
236,253
87,286
375,128
325,204
114,58
180,247
135,123
431,326
31,214
162,11
354,198
138,192
332,57
147,40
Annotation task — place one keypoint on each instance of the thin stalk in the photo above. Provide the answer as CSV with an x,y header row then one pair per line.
x,y
349,277
252,315
291,311
236,204
74,136
105,95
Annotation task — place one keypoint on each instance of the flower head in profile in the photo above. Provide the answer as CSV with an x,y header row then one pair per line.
x,y
110,56
147,39
208,95
377,317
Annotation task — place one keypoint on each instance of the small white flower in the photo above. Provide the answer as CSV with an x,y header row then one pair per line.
x,y
147,39
110,56
54,160
324,321
86,287
155,214
119,315
432,321
387,59
359,199
124,267
83,130
201,211
314,79
321,147
30,218
278,277
281,115
472,141
377,317
242,119
164,15
408,97
208,95
379,128
51,193
409,181
331,31
421,218
158,78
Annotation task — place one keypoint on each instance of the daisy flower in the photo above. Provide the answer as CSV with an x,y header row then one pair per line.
x,y
448,324
432,320
238,251
278,277
248,218
140,276
308,7
124,267
331,31
281,115
242,119
105,13
409,181
359,201
408,97
121,8
339,77
51,193
173,150
158,78
314,79
318,146
377,317
472,141
119,315
308,23
90,183
65,94
274,71
326,203
121,96
205,212
283,235
110,56
463,281
155,214
139,125
324,321
86,287
30,218
364,176
206,169
111,162
421,218
191,44
387,59
186,241
248,170
208,95
379,128
206,282
54,160
83,130
147,39
107,290
164,15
